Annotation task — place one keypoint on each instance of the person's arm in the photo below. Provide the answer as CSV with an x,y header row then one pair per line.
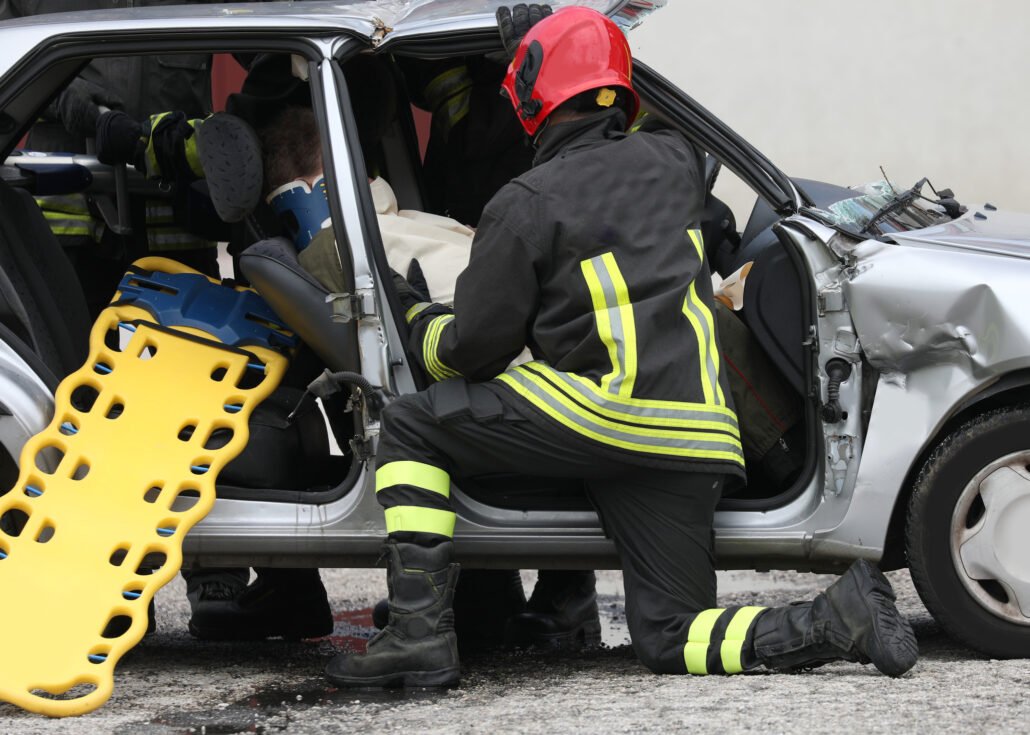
x,y
495,297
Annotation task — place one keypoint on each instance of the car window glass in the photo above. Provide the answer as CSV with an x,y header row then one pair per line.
x,y
737,195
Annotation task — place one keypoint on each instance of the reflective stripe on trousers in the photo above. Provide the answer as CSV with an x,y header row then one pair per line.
x,y
416,497
716,640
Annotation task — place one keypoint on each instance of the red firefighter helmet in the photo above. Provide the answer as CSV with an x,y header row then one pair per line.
x,y
572,51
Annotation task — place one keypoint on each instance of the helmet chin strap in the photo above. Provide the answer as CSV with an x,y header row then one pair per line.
x,y
540,131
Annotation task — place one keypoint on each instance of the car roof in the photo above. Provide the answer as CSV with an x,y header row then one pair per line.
x,y
340,14
370,19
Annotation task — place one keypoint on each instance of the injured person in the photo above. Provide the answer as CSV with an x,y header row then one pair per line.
x,y
293,173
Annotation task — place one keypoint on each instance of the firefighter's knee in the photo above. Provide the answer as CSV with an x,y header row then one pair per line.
x,y
654,649
402,418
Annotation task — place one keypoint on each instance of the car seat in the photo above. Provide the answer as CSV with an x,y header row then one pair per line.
x,y
271,266
51,334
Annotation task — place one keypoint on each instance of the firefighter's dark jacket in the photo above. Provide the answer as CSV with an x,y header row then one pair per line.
x,y
594,260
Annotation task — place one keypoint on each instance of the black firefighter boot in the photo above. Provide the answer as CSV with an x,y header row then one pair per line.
x,y
561,613
484,600
418,647
287,603
853,620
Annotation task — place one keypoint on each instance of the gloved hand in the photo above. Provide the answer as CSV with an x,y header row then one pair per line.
x,y
78,106
119,138
408,294
417,280
515,22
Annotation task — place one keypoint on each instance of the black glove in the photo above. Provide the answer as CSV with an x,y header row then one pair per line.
x,y
515,22
119,138
78,106
168,141
408,294
417,280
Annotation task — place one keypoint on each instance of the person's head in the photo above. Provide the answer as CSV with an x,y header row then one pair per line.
x,y
291,148
292,155
570,64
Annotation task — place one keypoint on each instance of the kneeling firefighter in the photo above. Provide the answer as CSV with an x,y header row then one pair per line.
x,y
594,259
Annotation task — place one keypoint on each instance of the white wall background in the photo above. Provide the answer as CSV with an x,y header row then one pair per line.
x,y
831,90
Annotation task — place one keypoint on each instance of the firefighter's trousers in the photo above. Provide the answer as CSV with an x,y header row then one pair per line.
x,y
660,521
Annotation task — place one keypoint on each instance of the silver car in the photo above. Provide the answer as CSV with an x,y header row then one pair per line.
x,y
897,318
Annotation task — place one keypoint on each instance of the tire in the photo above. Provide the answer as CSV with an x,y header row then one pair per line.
x,y
951,529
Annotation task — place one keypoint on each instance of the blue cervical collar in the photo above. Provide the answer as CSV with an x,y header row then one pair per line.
x,y
303,210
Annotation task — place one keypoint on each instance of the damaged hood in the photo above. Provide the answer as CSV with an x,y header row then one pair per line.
x,y
942,296
985,229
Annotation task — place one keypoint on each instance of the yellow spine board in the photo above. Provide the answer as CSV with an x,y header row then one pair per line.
x,y
109,491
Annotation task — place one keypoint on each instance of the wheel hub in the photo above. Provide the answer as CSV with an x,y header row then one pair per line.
x,y
990,541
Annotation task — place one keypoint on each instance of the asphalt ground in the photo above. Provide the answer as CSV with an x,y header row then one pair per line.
x,y
172,683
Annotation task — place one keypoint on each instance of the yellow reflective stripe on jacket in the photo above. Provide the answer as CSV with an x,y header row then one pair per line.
x,y
638,123
430,346
159,213
189,148
192,154
733,643
538,391
414,519
700,318
643,406
153,169
67,224
416,474
449,97
695,652
613,313
67,203
415,310
175,238
670,414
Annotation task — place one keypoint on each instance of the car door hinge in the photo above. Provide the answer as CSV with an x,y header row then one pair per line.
x,y
348,307
812,341
830,299
381,31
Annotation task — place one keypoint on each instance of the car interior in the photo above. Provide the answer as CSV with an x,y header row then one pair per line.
x,y
307,456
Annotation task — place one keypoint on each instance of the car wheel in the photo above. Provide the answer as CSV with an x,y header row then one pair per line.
x,y
968,536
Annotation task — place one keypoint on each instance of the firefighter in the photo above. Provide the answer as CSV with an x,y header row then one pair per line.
x,y
594,259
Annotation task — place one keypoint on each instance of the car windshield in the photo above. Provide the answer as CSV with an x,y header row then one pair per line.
x,y
879,209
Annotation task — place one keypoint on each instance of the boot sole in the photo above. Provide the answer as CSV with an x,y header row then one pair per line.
x,y
403,679
893,647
